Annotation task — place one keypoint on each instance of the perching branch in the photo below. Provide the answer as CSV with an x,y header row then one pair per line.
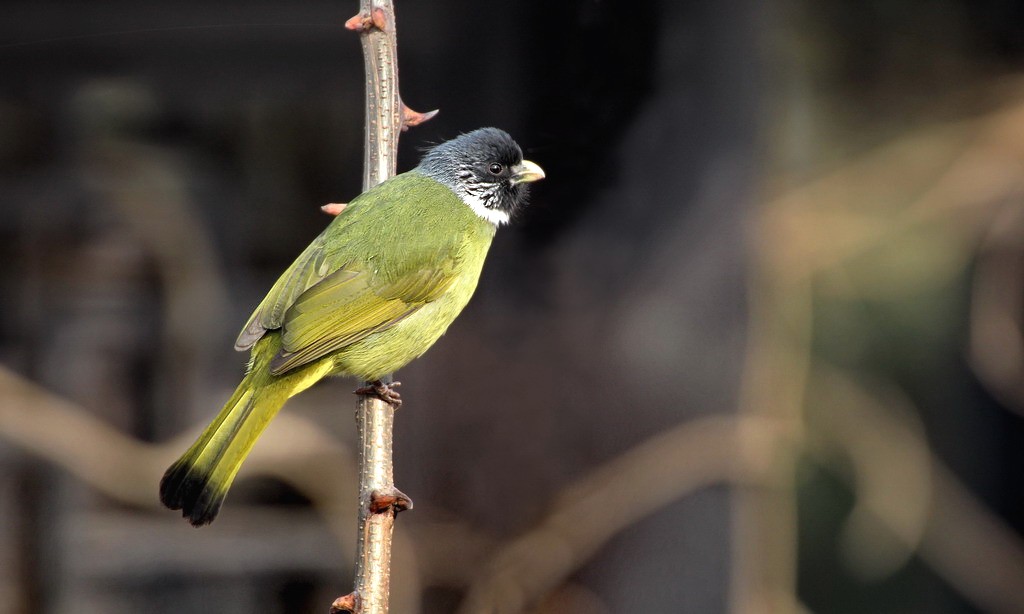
x,y
379,500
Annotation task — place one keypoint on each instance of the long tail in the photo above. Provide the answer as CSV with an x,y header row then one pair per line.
x,y
198,482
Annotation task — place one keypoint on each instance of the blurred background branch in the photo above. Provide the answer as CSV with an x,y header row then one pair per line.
x,y
909,502
591,511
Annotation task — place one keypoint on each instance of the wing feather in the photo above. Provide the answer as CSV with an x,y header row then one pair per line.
x,y
346,307
306,271
360,277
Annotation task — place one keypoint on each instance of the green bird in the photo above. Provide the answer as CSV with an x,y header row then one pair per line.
x,y
374,291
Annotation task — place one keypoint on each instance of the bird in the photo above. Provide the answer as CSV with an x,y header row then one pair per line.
x,y
372,292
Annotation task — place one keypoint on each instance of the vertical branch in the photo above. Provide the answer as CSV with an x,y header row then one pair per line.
x,y
374,416
383,121
379,500
374,422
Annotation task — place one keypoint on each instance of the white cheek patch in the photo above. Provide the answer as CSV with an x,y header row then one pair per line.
x,y
477,204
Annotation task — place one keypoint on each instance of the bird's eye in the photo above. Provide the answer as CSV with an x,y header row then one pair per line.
x,y
495,168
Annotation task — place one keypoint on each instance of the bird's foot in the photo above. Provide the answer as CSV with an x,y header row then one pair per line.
x,y
384,392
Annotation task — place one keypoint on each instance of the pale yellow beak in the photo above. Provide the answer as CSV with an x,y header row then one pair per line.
x,y
526,172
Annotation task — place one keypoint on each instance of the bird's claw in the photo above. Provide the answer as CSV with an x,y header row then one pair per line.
x,y
382,391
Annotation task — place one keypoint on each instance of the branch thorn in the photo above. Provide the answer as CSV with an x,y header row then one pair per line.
x,y
380,19
333,208
358,23
346,603
392,500
363,21
412,118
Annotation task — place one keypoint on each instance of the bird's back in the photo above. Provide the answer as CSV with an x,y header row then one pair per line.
x,y
405,221
414,244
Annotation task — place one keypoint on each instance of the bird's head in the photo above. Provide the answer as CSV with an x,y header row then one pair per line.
x,y
485,168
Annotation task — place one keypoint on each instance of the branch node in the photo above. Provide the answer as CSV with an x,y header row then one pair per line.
x,y
363,21
412,118
380,19
346,603
333,208
360,22
392,500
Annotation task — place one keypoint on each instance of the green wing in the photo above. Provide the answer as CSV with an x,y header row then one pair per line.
x,y
309,268
362,275
320,312
350,304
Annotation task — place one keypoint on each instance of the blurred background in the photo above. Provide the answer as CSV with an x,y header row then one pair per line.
x,y
754,347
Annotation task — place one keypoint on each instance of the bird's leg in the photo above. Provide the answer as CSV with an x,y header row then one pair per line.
x,y
384,392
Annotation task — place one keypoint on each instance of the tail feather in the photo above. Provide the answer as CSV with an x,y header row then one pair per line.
x,y
198,482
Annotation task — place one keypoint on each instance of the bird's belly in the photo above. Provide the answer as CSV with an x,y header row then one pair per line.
x,y
392,349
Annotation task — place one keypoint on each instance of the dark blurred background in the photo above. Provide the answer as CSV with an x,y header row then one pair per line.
x,y
754,347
